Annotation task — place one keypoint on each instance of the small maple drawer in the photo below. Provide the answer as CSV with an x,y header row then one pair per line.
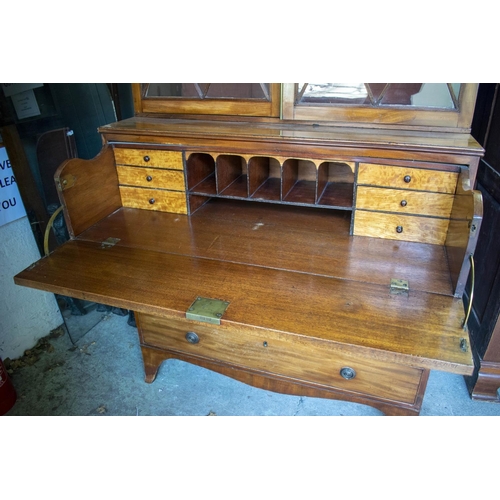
x,y
151,177
154,199
149,158
407,178
401,227
404,201
297,357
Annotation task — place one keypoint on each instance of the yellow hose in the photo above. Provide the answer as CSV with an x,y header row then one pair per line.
x,y
48,228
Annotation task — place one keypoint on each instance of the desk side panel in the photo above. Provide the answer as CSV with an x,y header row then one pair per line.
x,y
88,190
463,231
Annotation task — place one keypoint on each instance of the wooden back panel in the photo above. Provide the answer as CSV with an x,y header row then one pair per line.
x,y
88,190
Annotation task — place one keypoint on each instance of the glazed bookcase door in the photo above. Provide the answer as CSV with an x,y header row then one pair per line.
x,y
231,99
428,106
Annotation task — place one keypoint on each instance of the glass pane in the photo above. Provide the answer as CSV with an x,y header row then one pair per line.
x,y
433,95
395,93
456,88
422,95
259,91
239,91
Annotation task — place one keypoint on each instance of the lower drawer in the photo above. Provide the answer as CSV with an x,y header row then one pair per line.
x,y
400,227
154,199
297,357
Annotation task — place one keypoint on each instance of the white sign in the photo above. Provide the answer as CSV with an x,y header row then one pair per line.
x,y
11,205
25,104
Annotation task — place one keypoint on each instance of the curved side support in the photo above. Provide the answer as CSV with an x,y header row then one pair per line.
x,y
463,232
88,190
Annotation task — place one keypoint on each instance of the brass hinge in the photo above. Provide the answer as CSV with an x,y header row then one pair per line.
x,y
399,287
109,242
207,310
65,182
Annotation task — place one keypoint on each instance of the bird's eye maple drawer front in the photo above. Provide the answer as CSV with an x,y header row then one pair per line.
x,y
401,227
154,199
404,203
300,358
156,158
151,179
419,179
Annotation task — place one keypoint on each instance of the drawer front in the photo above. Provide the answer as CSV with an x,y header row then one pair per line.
x,y
403,201
151,177
149,158
407,178
400,227
299,358
154,199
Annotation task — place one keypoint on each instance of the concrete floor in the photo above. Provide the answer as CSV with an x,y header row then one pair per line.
x,y
102,374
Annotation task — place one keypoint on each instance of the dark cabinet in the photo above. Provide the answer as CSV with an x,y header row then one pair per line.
x,y
484,324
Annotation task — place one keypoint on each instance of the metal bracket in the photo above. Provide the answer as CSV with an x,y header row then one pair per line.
x,y
463,345
109,242
399,287
65,182
207,310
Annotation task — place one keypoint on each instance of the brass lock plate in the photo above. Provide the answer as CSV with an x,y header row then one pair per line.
x,y
207,310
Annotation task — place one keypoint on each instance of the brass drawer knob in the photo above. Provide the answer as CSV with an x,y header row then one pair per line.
x,y
152,200
146,158
347,373
399,229
404,203
192,338
149,178
407,178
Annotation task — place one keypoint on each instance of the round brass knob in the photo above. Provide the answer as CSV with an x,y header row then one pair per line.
x,y
149,178
146,158
407,178
347,373
404,203
399,229
192,338
151,200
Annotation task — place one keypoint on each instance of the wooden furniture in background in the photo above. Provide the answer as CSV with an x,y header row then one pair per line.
x,y
306,259
484,384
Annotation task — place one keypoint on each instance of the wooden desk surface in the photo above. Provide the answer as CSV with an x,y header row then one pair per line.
x,y
292,238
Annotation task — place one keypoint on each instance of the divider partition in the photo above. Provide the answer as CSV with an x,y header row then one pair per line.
x,y
327,184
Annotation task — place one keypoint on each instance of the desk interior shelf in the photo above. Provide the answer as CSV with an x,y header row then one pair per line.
x,y
327,184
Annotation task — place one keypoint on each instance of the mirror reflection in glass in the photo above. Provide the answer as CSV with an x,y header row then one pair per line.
x,y
422,95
